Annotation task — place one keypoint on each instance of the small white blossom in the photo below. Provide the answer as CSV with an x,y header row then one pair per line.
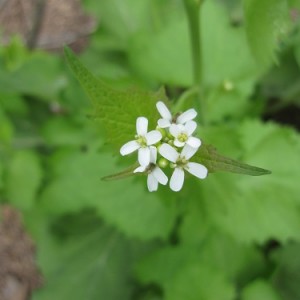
x,y
142,142
183,134
167,120
155,174
181,163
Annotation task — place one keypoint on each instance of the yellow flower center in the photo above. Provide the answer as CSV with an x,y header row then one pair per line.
x,y
141,140
182,137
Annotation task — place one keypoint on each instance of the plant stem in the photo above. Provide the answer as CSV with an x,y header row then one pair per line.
x,y
193,11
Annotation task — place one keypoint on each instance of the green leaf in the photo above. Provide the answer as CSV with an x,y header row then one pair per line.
x,y
287,275
126,204
208,156
91,262
1,175
23,179
184,275
266,207
64,131
164,55
39,73
260,290
6,129
239,262
266,21
117,110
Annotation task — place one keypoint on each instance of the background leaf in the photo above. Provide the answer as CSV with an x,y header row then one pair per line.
x,y
126,204
260,290
23,178
266,21
184,275
287,275
87,261
252,202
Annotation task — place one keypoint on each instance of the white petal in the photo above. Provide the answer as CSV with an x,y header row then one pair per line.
x,y
177,143
160,175
175,130
140,169
152,183
141,125
129,147
168,152
188,151
144,156
190,127
163,110
153,137
193,142
153,154
197,170
177,180
186,116
163,123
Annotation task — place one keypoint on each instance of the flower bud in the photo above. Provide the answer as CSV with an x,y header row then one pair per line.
x,y
163,163
162,131
228,85
171,142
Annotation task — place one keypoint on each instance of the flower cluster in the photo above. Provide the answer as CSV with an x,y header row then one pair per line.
x,y
171,144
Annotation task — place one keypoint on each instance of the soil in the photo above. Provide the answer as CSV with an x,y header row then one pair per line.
x,y
19,275
47,24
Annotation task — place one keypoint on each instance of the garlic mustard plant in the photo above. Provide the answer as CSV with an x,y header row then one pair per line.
x,y
143,141
183,134
180,162
171,146
167,119
155,174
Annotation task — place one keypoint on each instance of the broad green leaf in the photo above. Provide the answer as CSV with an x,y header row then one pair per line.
x,y
39,73
126,204
23,179
165,56
265,207
184,275
260,290
93,263
239,262
65,131
15,53
286,278
282,82
13,103
156,59
117,110
266,22
1,175
294,4
6,129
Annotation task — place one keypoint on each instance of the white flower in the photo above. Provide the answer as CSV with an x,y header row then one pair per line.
x,y
142,142
183,134
167,120
155,174
181,163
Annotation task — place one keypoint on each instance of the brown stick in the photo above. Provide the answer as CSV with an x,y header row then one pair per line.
x,y
39,12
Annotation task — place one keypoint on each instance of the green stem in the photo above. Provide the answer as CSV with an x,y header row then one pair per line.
x,y
193,11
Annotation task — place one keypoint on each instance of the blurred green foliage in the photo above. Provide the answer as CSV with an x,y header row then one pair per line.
x,y
227,237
